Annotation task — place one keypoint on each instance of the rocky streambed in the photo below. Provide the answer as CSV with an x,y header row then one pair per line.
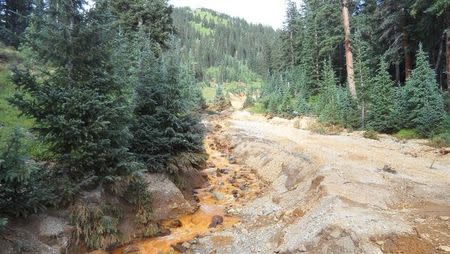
x,y
229,187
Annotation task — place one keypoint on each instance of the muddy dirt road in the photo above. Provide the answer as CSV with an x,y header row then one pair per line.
x,y
333,194
282,189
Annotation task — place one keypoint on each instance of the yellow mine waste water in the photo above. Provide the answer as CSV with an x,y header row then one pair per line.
x,y
197,224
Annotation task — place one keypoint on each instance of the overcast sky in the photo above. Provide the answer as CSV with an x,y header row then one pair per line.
x,y
267,12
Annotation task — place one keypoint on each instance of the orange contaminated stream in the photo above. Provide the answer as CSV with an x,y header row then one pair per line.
x,y
197,224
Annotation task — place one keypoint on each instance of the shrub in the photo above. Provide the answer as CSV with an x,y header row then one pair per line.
x,y
441,140
407,134
249,100
96,226
138,195
326,128
370,134
258,108
220,102
24,184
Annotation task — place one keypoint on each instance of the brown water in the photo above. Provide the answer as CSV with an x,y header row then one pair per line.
x,y
213,201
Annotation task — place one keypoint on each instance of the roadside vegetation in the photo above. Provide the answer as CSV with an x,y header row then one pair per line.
x,y
376,95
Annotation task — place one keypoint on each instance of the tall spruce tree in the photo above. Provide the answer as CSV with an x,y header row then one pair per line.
x,y
14,16
151,17
290,33
165,137
79,106
381,94
329,108
424,105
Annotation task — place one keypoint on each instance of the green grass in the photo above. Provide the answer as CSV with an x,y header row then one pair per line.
x,y
204,31
407,134
10,117
240,87
7,56
208,93
203,14
257,108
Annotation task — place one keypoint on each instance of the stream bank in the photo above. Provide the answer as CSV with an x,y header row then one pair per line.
x,y
230,186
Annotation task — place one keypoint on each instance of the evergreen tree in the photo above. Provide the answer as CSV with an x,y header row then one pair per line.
x,y
363,73
151,17
424,105
79,107
382,101
25,186
290,34
14,15
165,137
329,108
219,96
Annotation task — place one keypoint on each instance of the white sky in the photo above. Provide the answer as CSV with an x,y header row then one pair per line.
x,y
267,12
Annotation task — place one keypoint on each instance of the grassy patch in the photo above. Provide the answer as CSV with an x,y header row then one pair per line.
x,y
8,56
204,14
326,129
208,93
441,140
241,87
371,135
204,31
407,134
257,108
10,117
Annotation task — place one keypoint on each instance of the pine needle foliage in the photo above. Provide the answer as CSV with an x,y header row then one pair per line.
x,y
422,103
164,126
329,108
382,95
24,184
79,106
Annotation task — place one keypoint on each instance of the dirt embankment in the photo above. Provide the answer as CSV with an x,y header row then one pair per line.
x,y
334,194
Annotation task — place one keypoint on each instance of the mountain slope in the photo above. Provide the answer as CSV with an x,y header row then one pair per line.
x,y
224,48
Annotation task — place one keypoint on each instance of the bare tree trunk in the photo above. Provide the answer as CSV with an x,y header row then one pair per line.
x,y
408,60
397,72
448,63
348,50
437,66
438,58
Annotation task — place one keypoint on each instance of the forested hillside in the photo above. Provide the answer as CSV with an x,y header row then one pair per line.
x,y
223,48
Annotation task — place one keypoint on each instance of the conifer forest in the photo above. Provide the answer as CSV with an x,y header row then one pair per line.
x,y
135,126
